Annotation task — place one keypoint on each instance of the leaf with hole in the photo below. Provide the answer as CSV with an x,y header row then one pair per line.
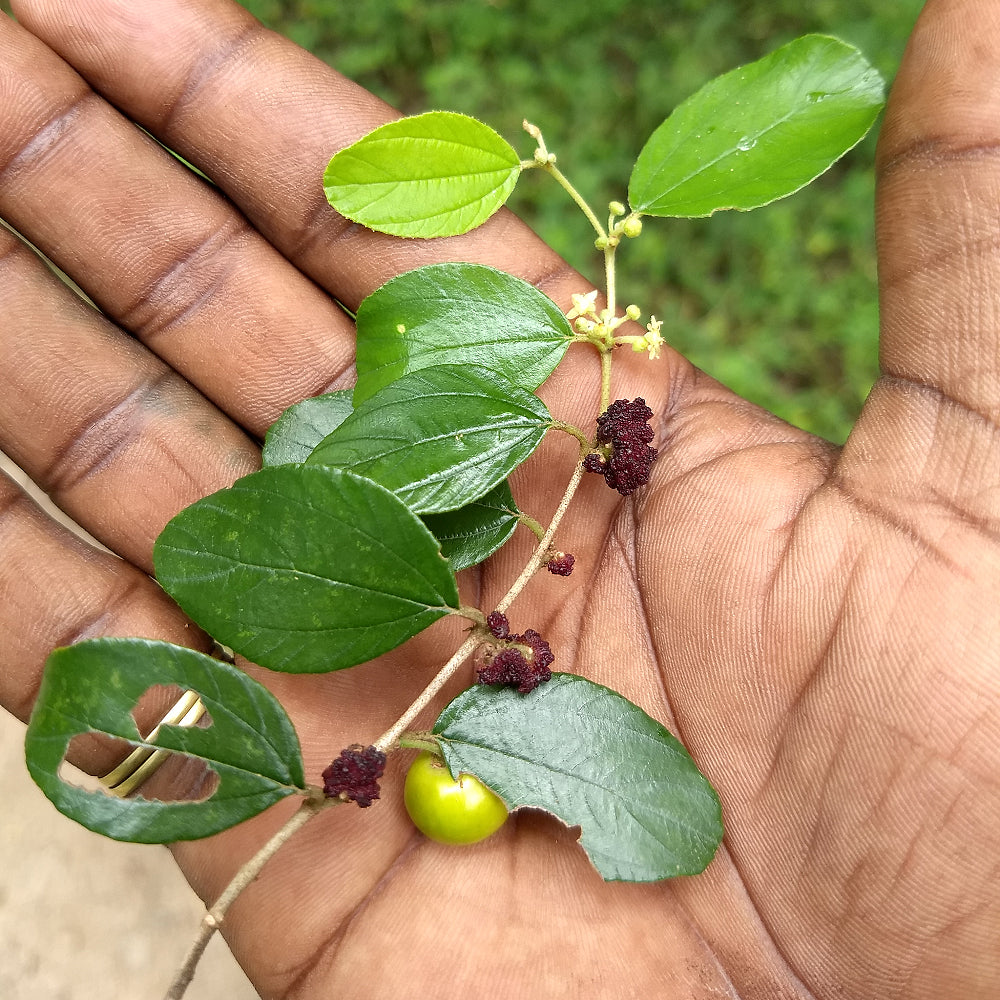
x,y
440,437
435,174
293,436
305,569
760,132
458,314
93,687
590,757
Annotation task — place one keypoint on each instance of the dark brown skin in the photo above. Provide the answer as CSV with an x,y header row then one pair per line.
x,y
820,626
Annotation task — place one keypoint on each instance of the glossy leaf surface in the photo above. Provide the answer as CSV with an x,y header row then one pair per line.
x,y
93,686
440,437
590,757
435,174
458,314
292,437
474,532
305,568
760,132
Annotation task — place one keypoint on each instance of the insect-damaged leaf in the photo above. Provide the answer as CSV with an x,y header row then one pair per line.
x,y
93,686
589,756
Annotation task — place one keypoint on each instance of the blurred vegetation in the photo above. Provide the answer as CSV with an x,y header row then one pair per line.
x,y
779,304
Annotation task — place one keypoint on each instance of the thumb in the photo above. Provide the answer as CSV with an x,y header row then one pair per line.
x,y
930,429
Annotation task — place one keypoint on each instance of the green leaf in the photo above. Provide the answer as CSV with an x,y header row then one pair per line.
x,y
593,759
302,426
94,686
305,569
474,532
760,132
439,437
458,314
435,174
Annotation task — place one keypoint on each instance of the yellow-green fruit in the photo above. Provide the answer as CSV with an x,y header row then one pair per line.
x,y
449,811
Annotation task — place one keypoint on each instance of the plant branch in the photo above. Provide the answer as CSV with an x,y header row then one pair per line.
x,y
565,184
532,525
543,546
419,741
544,160
213,919
561,425
610,279
605,380
389,738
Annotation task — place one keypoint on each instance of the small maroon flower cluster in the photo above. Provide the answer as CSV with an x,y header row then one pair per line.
x,y
497,623
511,666
624,425
561,564
354,775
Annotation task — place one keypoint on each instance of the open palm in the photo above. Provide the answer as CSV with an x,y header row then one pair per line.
x,y
820,626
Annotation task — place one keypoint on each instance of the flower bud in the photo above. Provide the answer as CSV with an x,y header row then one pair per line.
x,y
632,226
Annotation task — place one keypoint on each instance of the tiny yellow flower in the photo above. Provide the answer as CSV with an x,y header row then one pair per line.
x,y
583,305
653,339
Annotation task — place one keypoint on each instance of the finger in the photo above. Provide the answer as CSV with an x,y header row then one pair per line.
x,y
933,423
118,440
82,408
262,118
939,175
156,248
57,589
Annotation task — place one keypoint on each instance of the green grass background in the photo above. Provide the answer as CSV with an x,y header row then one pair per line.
x,y
780,304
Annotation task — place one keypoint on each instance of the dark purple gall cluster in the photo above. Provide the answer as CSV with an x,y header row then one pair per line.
x,y
561,564
354,775
497,623
520,661
624,427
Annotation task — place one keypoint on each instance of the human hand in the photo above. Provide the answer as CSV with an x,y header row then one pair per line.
x,y
819,626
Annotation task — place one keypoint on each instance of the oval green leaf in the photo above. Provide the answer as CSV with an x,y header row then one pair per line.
x,y
458,314
474,532
435,174
298,430
93,687
590,757
440,437
760,132
305,569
